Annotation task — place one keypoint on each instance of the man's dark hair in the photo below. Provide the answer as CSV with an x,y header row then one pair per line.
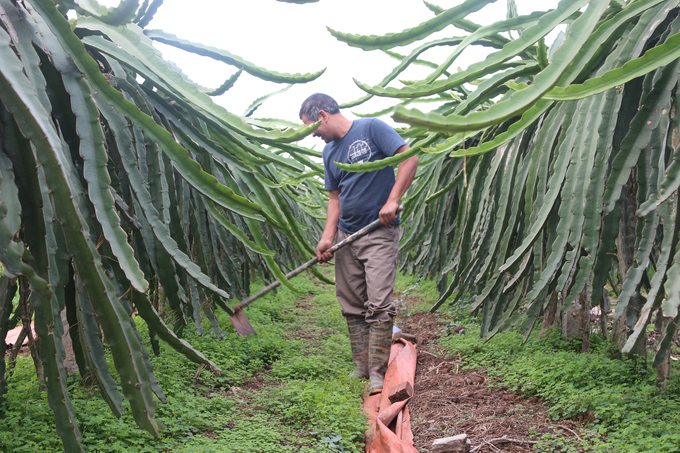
x,y
318,101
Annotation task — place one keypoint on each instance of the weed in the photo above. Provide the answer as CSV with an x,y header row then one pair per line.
x,y
304,368
556,443
322,406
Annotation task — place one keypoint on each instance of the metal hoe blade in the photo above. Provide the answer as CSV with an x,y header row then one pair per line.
x,y
241,323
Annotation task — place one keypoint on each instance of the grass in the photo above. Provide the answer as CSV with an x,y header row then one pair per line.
x,y
305,402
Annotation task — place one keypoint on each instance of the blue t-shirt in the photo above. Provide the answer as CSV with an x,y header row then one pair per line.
x,y
362,195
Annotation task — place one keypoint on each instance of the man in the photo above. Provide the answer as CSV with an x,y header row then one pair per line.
x,y
365,270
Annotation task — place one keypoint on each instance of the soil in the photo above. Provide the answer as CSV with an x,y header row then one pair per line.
x,y
449,401
23,352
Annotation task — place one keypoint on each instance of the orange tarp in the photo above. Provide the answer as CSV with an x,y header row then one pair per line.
x,y
13,334
389,426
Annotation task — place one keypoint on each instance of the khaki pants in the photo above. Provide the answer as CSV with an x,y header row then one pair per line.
x,y
365,272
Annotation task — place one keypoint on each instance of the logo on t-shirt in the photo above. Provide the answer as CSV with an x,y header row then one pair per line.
x,y
359,151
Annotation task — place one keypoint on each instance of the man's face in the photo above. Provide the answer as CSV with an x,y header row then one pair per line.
x,y
323,130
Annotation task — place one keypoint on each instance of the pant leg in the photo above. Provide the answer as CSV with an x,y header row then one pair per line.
x,y
378,252
350,280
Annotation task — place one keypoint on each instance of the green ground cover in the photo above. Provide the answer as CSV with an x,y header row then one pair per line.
x,y
304,403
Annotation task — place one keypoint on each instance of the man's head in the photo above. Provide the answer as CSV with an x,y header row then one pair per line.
x,y
321,107
317,102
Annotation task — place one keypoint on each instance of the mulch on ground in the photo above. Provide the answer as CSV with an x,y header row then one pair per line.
x,y
449,400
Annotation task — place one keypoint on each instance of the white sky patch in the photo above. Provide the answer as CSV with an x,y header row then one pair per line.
x,y
293,38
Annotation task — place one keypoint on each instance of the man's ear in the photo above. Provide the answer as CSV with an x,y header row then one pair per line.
x,y
323,115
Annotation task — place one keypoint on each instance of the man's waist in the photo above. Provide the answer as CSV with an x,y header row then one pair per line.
x,y
353,227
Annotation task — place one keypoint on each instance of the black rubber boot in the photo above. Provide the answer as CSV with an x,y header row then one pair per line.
x,y
358,339
379,345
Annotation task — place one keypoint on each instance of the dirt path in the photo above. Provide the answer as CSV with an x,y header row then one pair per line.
x,y
450,401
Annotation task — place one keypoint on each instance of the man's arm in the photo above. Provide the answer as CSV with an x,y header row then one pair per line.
x,y
332,218
406,171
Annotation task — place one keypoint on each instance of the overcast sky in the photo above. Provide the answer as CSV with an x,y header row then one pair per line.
x,y
288,37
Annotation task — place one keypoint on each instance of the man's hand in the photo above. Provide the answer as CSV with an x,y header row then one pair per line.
x,y
405,174
388,213
324,244
331,227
